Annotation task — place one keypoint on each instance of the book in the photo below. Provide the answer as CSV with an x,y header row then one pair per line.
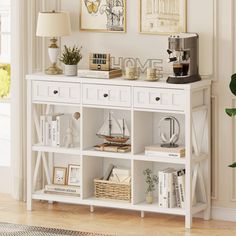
x,y
42,138
176,189
62,123
157,150
108,172
53,188
113,73
160,189
181,186
54,133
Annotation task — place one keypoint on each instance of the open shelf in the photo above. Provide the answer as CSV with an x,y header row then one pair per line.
x,y
61,150
107,203
40,195
173,160
143,206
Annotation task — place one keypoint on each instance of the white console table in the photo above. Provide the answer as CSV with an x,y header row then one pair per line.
x,y
142,103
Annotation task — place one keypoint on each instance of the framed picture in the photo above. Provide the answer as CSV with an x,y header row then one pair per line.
x,y
59,175
162,16
103,15
74,175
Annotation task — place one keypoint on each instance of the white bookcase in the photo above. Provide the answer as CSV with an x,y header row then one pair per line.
x,y
142,104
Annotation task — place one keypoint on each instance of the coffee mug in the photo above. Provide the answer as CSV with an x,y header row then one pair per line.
x,y
151,73
131,72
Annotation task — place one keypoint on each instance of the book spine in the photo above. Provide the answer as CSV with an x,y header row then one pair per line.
x,y
171,191
176,189
160,189
49,130
93,75
165,190
42,130
58,131
54,133
163,154
181,184
46,134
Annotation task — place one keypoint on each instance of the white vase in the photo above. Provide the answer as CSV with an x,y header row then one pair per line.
x,y
70,70
149,198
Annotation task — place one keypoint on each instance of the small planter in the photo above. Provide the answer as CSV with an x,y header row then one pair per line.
x,y
70,70
149,198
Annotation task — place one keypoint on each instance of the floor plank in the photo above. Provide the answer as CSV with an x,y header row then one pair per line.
x,y
105,220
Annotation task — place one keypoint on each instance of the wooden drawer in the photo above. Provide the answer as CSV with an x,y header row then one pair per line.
x,y
107,95
56,92
157,98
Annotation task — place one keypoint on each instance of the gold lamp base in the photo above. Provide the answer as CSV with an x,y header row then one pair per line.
x,y
53,70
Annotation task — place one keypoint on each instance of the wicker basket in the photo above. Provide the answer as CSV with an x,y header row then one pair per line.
x,y
112,190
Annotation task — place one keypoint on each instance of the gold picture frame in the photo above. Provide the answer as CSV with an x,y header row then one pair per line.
x,y
162,19
96,9
59,175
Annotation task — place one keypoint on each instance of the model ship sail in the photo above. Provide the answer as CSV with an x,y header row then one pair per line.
x,y
114,130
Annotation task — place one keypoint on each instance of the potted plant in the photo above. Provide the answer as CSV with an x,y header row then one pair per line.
x,y
151,181
232,111
71,57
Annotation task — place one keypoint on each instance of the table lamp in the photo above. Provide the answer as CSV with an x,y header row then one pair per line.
x,y
53,24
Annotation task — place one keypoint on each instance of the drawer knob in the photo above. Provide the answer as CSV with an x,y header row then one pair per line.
x,y
105,95
157,99
55,92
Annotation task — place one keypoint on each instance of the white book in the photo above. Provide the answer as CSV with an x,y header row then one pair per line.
x,y
62,125
83,73
42,138
176,188
163,154
48,130
171,191
160,189
62,188
181,184
54,133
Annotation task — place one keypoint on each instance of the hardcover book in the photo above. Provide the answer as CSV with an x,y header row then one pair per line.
x,y
113,73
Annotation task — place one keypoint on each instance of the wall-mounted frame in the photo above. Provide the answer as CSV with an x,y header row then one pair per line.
x,y
103,15
162,16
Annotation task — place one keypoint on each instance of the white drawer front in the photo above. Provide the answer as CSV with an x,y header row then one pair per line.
x,y
56,92
107,95
155,98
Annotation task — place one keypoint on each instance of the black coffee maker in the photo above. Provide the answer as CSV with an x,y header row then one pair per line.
x,y
183,53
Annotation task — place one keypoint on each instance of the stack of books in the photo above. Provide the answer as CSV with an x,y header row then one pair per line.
x,y
171,188
62,189
157,150
113,73
53,129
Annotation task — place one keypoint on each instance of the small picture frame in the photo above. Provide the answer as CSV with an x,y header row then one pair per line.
x,y
73,175
59,175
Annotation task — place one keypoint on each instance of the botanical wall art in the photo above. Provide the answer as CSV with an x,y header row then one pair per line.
x,y
103,15
162,16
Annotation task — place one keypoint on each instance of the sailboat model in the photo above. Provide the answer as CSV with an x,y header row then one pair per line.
x,y
114,130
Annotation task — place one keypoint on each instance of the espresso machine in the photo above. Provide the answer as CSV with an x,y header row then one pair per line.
x,y
183,53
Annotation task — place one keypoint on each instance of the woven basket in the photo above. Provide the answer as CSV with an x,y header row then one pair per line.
x,y
112,190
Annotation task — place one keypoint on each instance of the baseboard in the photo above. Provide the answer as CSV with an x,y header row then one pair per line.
x,y
226,214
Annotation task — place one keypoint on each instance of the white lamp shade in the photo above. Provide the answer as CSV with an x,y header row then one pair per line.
x,y
53,24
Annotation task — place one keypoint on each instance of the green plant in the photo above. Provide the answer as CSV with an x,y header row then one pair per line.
x,y
4,80
151,180
71,56
232,111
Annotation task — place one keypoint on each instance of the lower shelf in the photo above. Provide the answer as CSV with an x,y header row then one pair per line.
x,y
142,206
40,195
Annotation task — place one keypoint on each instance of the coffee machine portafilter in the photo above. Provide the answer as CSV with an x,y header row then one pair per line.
x,y
183,53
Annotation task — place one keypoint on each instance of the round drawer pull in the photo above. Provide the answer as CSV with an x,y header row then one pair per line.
x,y
157,99
55,92
105,95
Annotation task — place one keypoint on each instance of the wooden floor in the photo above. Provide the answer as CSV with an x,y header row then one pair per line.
x,y
104,220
